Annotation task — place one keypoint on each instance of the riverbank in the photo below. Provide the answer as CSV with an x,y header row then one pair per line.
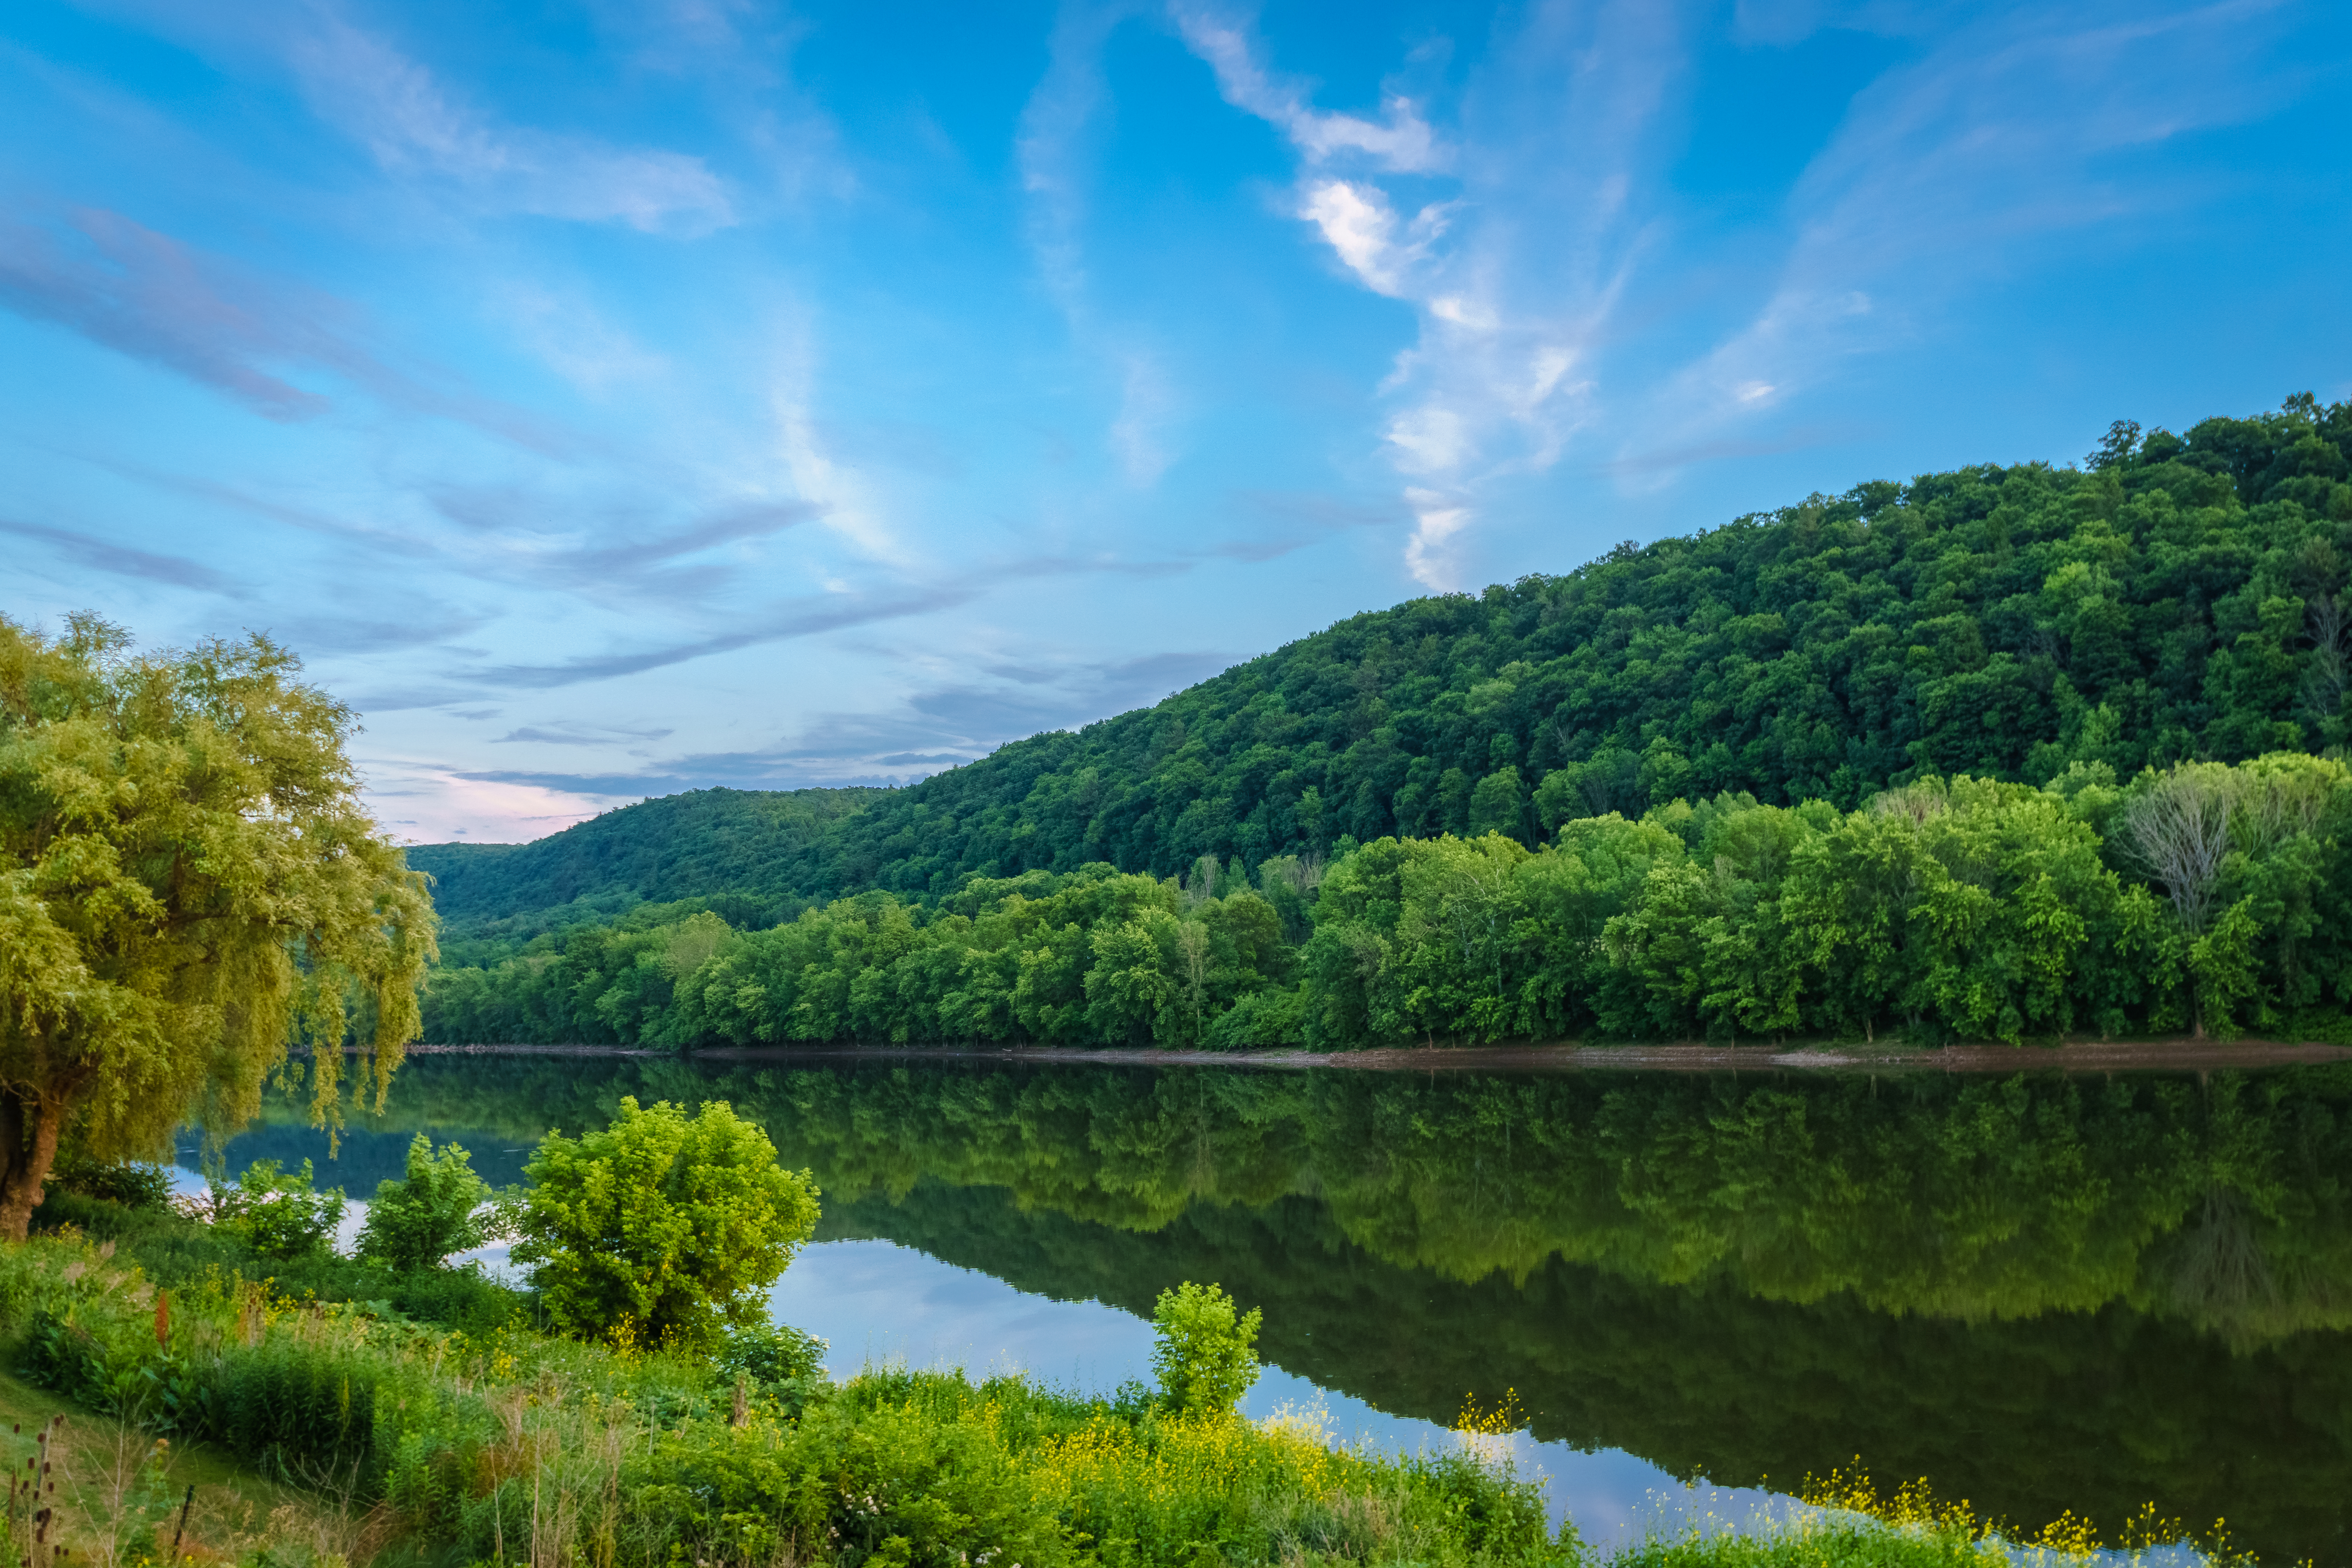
x,y
2083,1057
395,1441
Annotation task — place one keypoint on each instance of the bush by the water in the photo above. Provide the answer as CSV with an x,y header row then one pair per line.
x,y
661,1229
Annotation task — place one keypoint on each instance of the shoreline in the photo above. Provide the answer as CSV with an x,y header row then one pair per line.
x,y
2089,1056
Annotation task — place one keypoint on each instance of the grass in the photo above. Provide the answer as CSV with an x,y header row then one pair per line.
x,y
326,1433
119,1493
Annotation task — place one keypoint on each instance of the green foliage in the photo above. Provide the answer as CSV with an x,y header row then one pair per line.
x,y
1959,909
176,1250
1205,1357
126,1182
522,1445
741,849
189,882
2186,599
770,1353
278,1214
1814,1541
661,1229
437,1209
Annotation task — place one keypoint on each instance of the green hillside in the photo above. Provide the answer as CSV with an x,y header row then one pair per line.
x,y
2181,596
706,844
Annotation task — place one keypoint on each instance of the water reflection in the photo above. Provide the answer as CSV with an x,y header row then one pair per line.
x,y
2037,1294
879,1302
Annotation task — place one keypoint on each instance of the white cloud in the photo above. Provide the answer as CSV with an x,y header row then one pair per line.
x,y
1137,437
566,333
1049,147
1400,140
431,803
413,125
1359,224
1436,520
850,510
1430,440
1516,272
420,130
1051,151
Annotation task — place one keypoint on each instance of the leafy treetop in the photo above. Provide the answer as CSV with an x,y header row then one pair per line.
x,y
661,1229
188,880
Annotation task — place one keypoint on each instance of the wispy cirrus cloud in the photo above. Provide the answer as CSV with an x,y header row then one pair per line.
x,y
519,534
268,343
423,131
97,554
1400,140
1053,149
937,727
803,618
416,126
1513,266
2001,136
575,734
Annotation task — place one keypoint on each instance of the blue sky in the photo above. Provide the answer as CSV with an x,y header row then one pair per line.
x,y
614,397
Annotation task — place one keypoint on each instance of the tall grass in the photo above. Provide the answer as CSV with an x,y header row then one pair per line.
x,y
512,1447
508,1447
1845,1521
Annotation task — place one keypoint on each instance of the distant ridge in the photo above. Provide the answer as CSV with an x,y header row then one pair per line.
x,y
2182,595
756,845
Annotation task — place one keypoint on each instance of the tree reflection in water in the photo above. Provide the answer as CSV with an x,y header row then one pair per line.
x,y
2037,1292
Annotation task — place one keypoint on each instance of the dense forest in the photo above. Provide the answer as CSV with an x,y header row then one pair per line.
x,y
2042,1292
1949,759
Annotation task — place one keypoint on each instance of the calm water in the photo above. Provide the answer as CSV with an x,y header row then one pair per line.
x,y
2036,1293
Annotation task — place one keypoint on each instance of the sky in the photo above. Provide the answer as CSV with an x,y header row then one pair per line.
x,y
614,397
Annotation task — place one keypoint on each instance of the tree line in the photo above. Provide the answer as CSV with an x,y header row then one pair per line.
x,y
2206,897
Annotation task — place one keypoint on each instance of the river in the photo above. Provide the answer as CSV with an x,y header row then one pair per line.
x,y
2035,1292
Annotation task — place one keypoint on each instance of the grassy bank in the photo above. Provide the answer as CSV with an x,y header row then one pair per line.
x,y
329,1430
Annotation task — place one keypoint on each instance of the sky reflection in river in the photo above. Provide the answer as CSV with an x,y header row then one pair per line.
x,y
878,1302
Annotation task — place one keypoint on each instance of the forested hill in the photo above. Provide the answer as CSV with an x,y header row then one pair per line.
x,y
706,844
2179,596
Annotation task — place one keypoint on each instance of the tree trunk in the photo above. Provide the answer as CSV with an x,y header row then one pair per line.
x,y
28,1146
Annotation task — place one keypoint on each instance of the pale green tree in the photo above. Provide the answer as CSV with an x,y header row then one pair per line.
x,y
439,1206
188,883
1206,1354
662,1228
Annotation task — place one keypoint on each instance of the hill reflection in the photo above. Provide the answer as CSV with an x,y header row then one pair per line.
x,y
2039,1293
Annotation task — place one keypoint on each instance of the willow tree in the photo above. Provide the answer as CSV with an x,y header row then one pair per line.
x,y
188,884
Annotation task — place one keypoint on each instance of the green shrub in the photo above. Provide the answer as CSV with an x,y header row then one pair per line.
x,y
661,1229
417,1222
892,1486
1272,1020
772,1353
173,1251
1825,1541
133,1184
276,1213
1206,1358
